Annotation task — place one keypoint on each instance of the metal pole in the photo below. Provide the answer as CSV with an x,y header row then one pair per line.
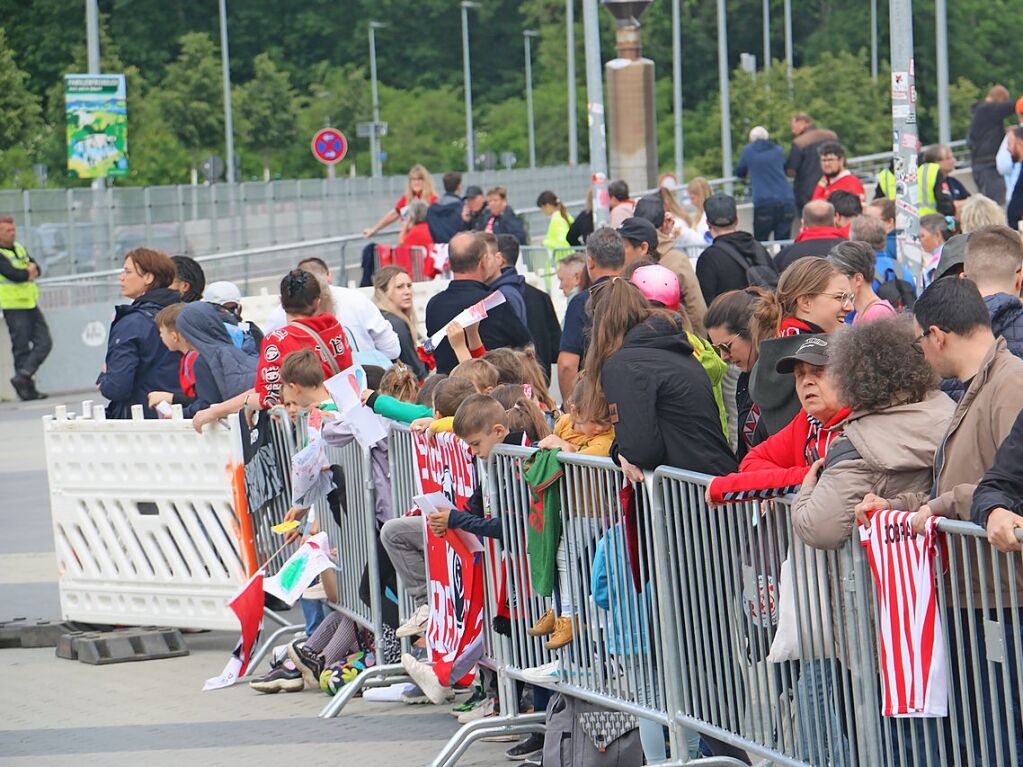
x,y
225,66
903,93
788,41
676,82
726,107
470,144
873,39
595,112
92,50
941,25
767,36
526,35
573,119
374,139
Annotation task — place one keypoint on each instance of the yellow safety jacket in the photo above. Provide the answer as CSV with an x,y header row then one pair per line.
x,y
17,295
926,176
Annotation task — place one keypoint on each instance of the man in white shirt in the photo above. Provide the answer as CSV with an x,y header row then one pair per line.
x,y
366,326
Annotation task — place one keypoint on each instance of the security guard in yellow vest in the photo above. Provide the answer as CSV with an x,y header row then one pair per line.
x,y
19,300
934,194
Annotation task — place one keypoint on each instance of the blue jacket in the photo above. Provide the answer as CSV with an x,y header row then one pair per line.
x,y
764,162
444,218
513,286
612,589
506,223
137,362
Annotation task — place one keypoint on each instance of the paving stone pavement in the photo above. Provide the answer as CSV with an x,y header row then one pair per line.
x,y
55,712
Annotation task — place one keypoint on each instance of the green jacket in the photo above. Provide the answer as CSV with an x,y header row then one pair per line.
x,y
396,410
543,473
715,367
557,231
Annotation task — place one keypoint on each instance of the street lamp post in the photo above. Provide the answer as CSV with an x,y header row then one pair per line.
x,y
595,112
726,107
470,143
873,39
788,41
676,82
767,36
573,136
941,25
225,65
526,35
374,136
92,53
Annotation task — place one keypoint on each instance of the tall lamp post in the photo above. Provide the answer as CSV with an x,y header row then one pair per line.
x,y
676,82
470,143
573,131
526,35
225,66
595,112
92,53
374,136
726,106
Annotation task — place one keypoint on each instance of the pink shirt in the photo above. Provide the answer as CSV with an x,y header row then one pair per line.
x,y
879,310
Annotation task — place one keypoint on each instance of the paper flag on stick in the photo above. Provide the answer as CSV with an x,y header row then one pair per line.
x,y
468,317
285,527
295,575
247,604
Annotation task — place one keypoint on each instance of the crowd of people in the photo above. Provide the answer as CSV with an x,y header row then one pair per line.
x,y
828,370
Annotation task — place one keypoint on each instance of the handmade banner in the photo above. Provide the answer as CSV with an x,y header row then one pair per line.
x,y
468,317
301,568
444,464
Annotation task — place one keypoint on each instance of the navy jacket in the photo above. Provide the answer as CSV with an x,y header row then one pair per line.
x,y
543,325
513,286
137,362
500,329
764,162
472,520
444,218
506,223
1006,322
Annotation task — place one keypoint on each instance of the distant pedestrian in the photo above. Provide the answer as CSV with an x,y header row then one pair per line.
x,y
501,219
619,202
834,174
803,164
987,130
699,192
19,300
762,162
419,187
560,221
582,227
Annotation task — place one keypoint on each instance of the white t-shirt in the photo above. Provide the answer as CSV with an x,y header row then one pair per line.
x,y
359,316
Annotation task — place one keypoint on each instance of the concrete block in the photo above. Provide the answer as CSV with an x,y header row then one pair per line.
x,y
134,644
24,632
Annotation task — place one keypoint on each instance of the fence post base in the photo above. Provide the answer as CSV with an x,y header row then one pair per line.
x,y
468,734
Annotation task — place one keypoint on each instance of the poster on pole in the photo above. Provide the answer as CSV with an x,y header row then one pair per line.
x,y
96,113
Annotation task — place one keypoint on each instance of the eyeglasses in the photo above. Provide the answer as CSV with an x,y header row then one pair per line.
x,y
725,347
842,298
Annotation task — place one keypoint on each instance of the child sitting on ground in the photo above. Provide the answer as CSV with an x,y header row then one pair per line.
x,y
585,429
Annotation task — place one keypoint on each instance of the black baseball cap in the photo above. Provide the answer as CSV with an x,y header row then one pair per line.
x,y
721,210
637,230
814,351
473,191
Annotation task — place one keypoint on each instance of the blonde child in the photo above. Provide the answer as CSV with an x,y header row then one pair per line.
x,y
585,429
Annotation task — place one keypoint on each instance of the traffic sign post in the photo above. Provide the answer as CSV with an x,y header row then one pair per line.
x,y
329,146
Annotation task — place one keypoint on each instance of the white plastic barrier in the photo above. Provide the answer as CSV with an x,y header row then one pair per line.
x,y
144,520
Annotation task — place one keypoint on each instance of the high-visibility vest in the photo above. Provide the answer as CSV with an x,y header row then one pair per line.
x,y
17,295
886,180
926,175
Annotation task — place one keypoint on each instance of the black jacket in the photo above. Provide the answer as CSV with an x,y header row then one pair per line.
x,y
506,223
1015,209
581,228
500,329
797,250
472,519
543,326
663,404
444,218
804,162
718,272
987,129
408,355
1002,485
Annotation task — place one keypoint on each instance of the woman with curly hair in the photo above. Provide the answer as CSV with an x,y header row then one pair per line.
x,y
899,418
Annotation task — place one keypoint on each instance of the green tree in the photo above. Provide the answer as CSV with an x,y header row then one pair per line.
x,y
19,105
266,110
192,98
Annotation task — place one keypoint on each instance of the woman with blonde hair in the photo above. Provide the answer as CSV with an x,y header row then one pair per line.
x,y
392,293
699,190
418,187
979,211
682,230
813,297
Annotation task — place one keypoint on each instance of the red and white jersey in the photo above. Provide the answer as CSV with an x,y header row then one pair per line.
x,y
911,645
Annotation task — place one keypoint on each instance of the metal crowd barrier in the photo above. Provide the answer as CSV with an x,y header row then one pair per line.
x,y
402,461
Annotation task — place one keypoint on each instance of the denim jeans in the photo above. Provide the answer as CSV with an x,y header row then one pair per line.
x,y
313,611
821,738
773,218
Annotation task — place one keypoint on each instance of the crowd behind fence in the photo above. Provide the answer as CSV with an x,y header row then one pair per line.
x,y
715,623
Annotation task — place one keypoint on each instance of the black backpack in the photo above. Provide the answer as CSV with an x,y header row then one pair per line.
x,y
900,293
761,272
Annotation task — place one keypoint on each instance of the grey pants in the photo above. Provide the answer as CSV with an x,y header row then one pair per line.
x,y
403,538
989,182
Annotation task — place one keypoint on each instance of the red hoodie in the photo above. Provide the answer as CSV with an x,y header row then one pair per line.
x,y
844,181
778,465
822,233
279,344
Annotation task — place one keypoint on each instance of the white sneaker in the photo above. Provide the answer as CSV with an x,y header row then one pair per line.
x,y
426,678
416,625
484,708
548,673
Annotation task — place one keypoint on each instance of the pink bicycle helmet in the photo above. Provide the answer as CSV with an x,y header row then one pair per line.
x,y
658,283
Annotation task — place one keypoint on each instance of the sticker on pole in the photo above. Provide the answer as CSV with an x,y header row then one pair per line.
x,y
329,146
